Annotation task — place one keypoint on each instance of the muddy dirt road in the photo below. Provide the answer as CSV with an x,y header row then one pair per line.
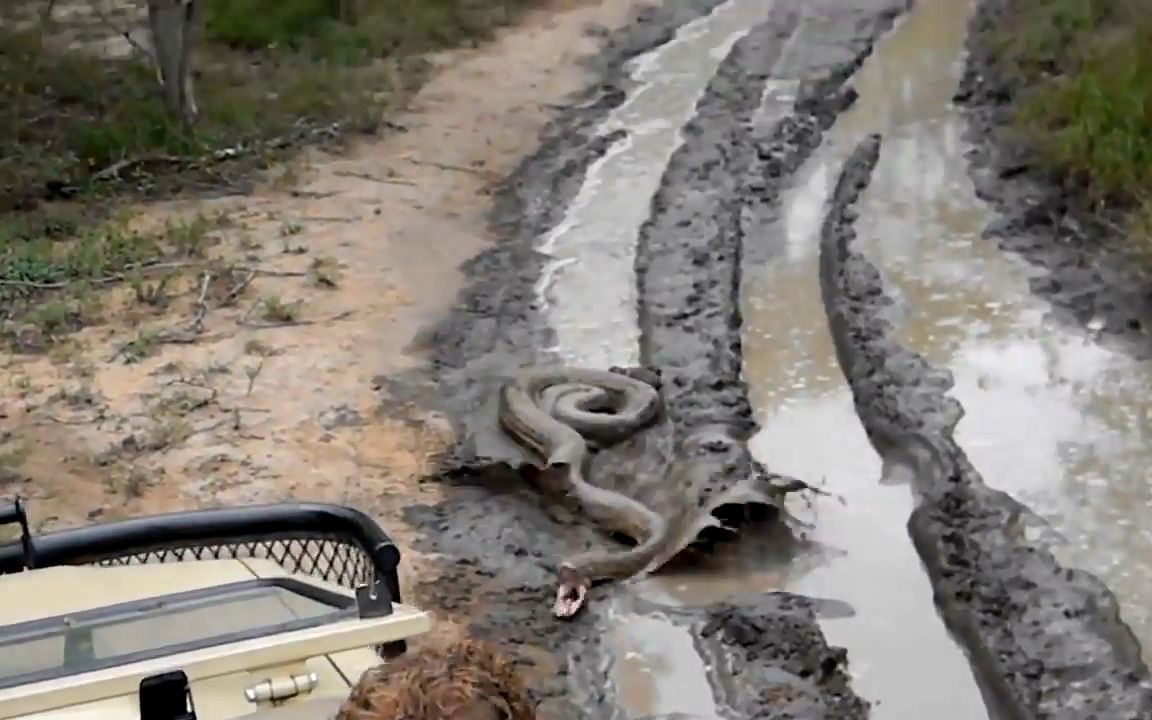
x,y
771,202
803,213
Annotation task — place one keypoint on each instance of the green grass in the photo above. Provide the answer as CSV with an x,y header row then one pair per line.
x,y
78,133
67,118
267,68
382,27
1086,66
52,264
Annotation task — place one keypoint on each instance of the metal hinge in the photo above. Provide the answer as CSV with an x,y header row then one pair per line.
x,y
281,688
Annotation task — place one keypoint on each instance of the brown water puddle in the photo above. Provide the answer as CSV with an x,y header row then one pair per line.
x,y
591,276
1051,418
902,658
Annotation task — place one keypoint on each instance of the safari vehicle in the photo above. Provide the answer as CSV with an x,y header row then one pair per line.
x,y
270,611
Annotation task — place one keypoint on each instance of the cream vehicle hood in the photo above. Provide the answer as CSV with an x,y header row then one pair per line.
x,y
337,652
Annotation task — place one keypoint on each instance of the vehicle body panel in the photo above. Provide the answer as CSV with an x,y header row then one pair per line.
x,y
338,652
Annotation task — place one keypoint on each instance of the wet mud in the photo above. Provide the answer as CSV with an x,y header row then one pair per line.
x,y
1044,640
691,248
1088,274
496,545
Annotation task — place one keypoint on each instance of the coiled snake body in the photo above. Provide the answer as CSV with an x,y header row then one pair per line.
x,y
556,413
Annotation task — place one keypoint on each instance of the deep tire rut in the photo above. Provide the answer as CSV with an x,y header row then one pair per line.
x,y
1045,641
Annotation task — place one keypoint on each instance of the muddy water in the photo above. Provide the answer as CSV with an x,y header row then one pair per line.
x,y
592,277
859,552
1051,417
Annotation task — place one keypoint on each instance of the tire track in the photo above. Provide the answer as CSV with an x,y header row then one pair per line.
x,y
494,542
1045,641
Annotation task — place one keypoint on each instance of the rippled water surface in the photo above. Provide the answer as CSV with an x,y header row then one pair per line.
x,y
901,656
591,280
1051,417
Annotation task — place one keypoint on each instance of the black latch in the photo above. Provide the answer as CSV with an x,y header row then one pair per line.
x,y
166,696
373,600
15,513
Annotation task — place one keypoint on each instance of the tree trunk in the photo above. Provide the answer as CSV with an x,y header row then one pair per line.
x,y
348,11
173,31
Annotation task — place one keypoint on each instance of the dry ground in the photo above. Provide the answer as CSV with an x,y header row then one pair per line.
x,y
325,276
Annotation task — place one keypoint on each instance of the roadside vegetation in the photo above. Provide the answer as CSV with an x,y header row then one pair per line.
x,y
1084,73
85,132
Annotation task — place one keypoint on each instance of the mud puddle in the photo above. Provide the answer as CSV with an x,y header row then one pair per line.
x,y
1052,418
858,551
658,669
589,282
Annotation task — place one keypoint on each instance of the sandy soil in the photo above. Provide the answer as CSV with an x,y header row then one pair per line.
x,y
345,259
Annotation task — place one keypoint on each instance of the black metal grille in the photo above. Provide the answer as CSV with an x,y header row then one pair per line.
x,y
337,544
332,559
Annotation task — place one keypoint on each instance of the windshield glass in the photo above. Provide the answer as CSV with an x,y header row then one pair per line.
x,y
73,644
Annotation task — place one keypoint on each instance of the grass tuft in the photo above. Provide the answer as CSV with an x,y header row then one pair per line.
x,y
1086,66
82,128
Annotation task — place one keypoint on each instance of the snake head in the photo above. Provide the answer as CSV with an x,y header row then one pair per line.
x,y
570,592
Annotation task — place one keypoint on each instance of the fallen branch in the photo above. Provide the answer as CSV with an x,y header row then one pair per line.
x,y
234,152
135,268
373,178
188,335
275,273
99,416
331,219
212,392
233,421
195,327
293,323
113,171
237,289
449,166
197,324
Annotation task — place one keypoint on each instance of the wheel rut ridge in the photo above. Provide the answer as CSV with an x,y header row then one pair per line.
x,y
492,542
689,250
490,539
1045,641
